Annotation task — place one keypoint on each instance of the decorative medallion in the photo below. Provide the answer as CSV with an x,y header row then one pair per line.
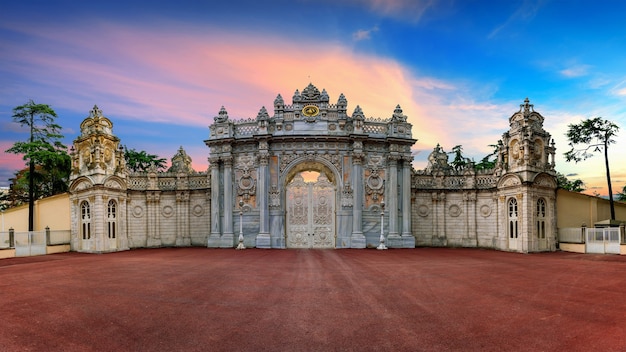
x,y
454,210
310,110
137,211
485,210
197,210
423,210
167,211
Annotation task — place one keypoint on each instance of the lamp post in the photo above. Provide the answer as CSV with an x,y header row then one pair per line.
x,y
382,219
240,245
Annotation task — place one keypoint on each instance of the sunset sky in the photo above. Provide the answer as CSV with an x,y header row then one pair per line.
x,y
161,70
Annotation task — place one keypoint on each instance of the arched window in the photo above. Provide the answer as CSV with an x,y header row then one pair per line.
x,y
85,220
111,218
541,218
513,233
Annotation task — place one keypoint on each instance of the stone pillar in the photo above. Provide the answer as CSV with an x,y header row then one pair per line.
x,y
408,241
152,207
394,240
182,219
122,224
357,240
228,237
471,236
214,236
263,238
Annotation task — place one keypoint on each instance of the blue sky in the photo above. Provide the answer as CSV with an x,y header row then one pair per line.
x,y
161,70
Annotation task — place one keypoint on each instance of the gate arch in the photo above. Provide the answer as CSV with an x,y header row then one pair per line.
x,y
309,210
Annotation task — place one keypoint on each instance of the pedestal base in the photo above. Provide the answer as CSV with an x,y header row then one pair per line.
x,y
357,240
395,241
227,240
263,240
214,240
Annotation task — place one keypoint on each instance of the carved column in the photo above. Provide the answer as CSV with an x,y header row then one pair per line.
x,y
228,237
263,238
357,239
214,236
471,236
393,239
407,238
182,218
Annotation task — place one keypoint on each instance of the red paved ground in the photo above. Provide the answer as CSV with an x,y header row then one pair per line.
x,y
198,299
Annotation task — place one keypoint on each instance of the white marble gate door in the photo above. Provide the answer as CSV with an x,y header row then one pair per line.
x,y
310,213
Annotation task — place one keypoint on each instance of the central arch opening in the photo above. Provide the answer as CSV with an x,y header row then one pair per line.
x,y
310,210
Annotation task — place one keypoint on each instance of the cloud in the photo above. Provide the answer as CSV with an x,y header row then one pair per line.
x,y
524,14
575,71
412,10
364,34
173,75
162,75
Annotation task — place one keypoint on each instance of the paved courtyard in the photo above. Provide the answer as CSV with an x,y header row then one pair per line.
x,y
425,299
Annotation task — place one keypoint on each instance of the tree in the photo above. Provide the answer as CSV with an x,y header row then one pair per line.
x,y
489,161
45,149
460,162
563,182
595,135
141,161
622,195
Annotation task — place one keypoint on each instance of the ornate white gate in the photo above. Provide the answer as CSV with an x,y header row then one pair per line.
x,y
310,213
603,240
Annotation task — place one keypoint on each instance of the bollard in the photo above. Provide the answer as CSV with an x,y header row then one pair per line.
x,y
11,238
47,235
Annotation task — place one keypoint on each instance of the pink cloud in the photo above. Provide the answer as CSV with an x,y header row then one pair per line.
x,y
181,76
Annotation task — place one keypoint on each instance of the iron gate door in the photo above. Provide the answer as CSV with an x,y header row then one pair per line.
x,y
310,213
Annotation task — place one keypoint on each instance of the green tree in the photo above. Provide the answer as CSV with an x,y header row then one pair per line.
x,y
563,182
43,148
489,161
141,161
460,162
622,195
594,135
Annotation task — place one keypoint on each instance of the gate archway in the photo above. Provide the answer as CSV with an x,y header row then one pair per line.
x,y
310,205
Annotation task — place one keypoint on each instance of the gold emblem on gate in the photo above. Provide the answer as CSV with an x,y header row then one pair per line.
x,y
310,110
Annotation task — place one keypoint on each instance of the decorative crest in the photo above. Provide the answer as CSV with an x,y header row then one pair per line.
x,y
358,113
222,116
262,115
311,93
279,102
527,107
95,112
324,96
296,96
398,115
342,101
181,162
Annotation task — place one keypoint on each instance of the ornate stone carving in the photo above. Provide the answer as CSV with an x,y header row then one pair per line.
x,y
246,182
274,197
222,116
374,185
181,162
347,199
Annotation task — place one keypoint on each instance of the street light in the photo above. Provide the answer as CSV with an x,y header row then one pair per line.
x,y
240,245
382,219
